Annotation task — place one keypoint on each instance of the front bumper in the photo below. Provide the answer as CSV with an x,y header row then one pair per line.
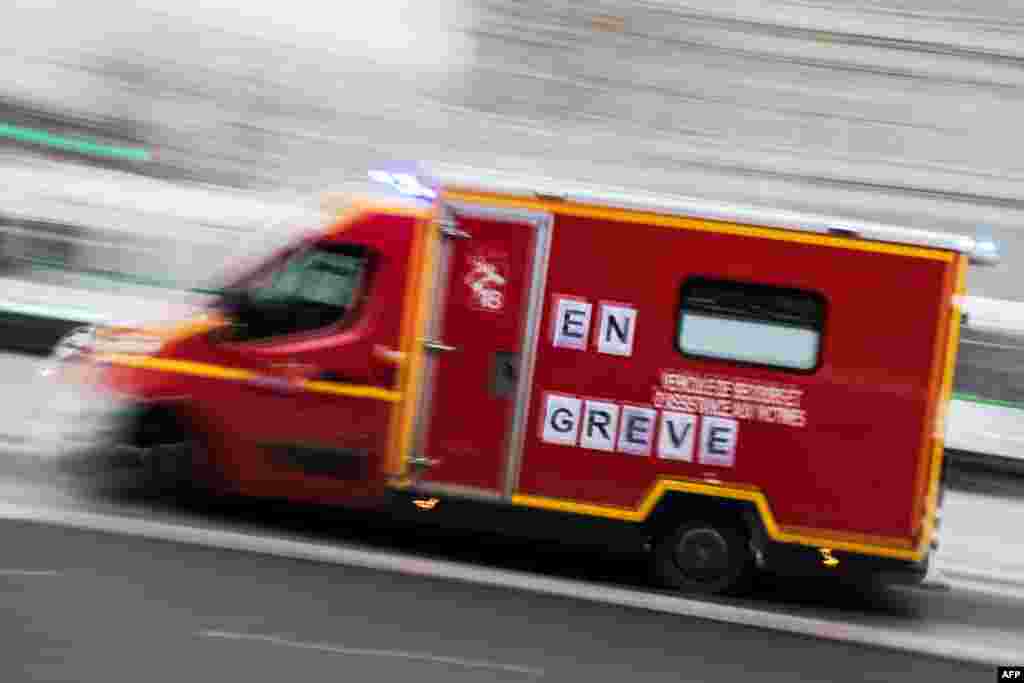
x,y
83,415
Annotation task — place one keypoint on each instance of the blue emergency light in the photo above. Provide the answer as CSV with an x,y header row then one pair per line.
x,y
405,183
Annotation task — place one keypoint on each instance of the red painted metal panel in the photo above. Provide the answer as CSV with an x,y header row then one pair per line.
x,y
484,313
247,415
850,467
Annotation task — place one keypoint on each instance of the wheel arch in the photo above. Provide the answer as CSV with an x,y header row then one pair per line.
x,y
676,507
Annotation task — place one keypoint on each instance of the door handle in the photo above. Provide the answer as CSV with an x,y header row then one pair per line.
x,y
388,355
434,345
504,373
329,376
295,370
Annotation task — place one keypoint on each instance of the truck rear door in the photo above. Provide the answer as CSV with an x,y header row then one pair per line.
x,y
480,340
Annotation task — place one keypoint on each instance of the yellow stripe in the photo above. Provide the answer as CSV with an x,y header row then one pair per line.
x,y
408,370
183,367
353,390
952,347
358,207
194,327
169,334
369,204
702,225
812,538
933,397
431,245
939,453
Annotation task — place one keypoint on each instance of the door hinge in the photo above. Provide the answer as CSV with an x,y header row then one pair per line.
x,y
434,345
422,462
450,228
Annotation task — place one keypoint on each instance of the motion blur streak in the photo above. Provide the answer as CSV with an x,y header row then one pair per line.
x,y
899,116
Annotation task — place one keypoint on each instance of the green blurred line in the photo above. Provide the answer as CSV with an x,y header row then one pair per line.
x,y
114,276
41,137
974,398
70,313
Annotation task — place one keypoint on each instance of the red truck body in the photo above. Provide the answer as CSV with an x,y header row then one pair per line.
x,y
592,359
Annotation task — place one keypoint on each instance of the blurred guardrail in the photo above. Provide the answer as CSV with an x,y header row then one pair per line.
x,y
986,417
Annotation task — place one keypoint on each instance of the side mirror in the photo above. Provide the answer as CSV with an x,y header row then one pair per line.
x,y
238,308
234,303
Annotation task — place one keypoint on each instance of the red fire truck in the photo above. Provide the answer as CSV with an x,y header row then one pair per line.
x,y
736,389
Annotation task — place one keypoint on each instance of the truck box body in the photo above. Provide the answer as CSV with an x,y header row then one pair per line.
x,y
843,449
588,358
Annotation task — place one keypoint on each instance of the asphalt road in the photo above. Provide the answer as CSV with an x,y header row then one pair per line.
x,y
85,607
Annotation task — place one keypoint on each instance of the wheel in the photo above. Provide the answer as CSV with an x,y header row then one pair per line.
x,y
154,457
706,558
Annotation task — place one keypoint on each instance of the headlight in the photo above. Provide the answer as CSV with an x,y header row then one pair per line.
x,y
77,342
128,344
99,342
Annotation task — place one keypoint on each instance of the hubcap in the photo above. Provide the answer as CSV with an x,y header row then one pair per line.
x,y
703,554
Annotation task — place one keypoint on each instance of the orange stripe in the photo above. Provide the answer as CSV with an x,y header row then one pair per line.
x,y
938,369
369,204
896,548
946,392
184,367
836,535
407,336
403,434
361,206
357,207
699,224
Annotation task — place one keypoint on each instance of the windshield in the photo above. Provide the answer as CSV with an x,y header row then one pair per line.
x,y
305,288
315,275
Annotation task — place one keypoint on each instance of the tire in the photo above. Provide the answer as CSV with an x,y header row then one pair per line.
x,y
161,471
704,558
155,459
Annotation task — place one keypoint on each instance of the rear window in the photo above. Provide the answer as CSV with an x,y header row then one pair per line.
x,y
749,323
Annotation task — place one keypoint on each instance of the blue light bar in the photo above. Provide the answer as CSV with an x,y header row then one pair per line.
x,y
405,183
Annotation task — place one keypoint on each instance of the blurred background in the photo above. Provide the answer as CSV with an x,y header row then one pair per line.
x,y
154,139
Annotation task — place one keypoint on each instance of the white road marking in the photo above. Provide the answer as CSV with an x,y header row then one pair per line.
x,y
916,639
1004,437
366,652
992,345
29,572
963,573
993,590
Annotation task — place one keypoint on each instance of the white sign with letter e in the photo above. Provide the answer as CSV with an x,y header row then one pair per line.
x,y
571,323
718,437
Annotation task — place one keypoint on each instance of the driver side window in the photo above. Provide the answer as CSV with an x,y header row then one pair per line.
x,y
311,288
